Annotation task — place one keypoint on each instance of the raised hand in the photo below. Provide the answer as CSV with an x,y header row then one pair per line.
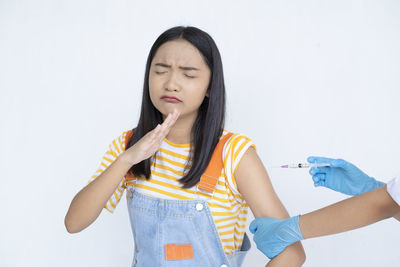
x,y
151,142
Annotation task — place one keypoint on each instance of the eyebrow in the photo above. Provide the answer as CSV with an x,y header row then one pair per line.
x,y
169,66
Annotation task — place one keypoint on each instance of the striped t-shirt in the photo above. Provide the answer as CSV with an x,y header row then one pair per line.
x,y
228,207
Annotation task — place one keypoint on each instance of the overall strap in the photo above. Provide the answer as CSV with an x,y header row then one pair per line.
x,y
210,177
129,134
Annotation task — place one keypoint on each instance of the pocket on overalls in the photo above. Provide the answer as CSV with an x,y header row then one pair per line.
x,y
182,232
236,259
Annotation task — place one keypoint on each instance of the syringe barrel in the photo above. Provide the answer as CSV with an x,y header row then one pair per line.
x,y
299,165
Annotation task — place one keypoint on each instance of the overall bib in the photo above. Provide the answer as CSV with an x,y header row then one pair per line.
x,y
174,233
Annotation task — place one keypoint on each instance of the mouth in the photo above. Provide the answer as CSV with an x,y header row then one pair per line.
x,y
171,99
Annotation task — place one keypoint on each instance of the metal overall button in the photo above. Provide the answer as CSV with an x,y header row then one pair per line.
x,y
199,207
129,193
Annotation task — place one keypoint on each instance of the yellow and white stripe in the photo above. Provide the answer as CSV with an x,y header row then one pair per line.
x,y
172,162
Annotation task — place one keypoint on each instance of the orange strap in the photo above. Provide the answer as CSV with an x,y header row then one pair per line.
x,y
210,177
178,252
129,175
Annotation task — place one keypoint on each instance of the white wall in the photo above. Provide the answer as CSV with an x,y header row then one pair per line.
x,y
315,77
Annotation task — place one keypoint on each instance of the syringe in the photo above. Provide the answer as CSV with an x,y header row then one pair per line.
x,y
305,165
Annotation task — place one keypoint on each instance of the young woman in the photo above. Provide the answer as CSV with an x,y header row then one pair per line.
x,y
189,182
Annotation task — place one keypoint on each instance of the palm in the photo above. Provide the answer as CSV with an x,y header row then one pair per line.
x,y
151,142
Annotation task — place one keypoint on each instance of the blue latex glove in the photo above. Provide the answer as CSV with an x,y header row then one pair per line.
x,y
342,176
272,236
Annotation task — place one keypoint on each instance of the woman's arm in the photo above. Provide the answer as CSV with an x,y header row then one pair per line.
x,y
254,184
349,214
272,236
87,205
89,202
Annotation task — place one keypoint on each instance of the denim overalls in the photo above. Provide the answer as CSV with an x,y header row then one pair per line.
x,y
181,232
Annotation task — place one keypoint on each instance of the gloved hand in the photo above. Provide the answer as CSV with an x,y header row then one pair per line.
x,y
272,236
342,176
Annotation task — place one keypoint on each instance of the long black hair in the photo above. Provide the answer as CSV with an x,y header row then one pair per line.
x,y
209,124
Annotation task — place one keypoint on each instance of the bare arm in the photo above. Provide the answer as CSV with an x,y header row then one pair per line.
x,y
87,205
89,202
254,184
349,214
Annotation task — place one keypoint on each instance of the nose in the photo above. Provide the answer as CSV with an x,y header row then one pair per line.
x,y
172,83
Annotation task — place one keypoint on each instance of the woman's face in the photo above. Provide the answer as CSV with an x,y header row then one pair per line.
x,y
178,78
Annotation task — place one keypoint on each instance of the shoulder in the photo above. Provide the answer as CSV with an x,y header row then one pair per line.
x,y
237,141
235,147
234,150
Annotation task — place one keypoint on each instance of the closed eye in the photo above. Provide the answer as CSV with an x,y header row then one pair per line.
x,y
189,76
160,72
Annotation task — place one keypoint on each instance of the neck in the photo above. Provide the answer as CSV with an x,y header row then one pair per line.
x,y
180,132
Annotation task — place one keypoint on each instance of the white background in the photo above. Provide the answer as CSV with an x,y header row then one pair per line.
x,y
303,78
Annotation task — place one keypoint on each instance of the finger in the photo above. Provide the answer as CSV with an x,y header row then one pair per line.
x,y
176,114
158,128
315,179
167,120
170,120
319,183
162,133
254,225
153,133
324,169
315,170
318,177
264,221
314,159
